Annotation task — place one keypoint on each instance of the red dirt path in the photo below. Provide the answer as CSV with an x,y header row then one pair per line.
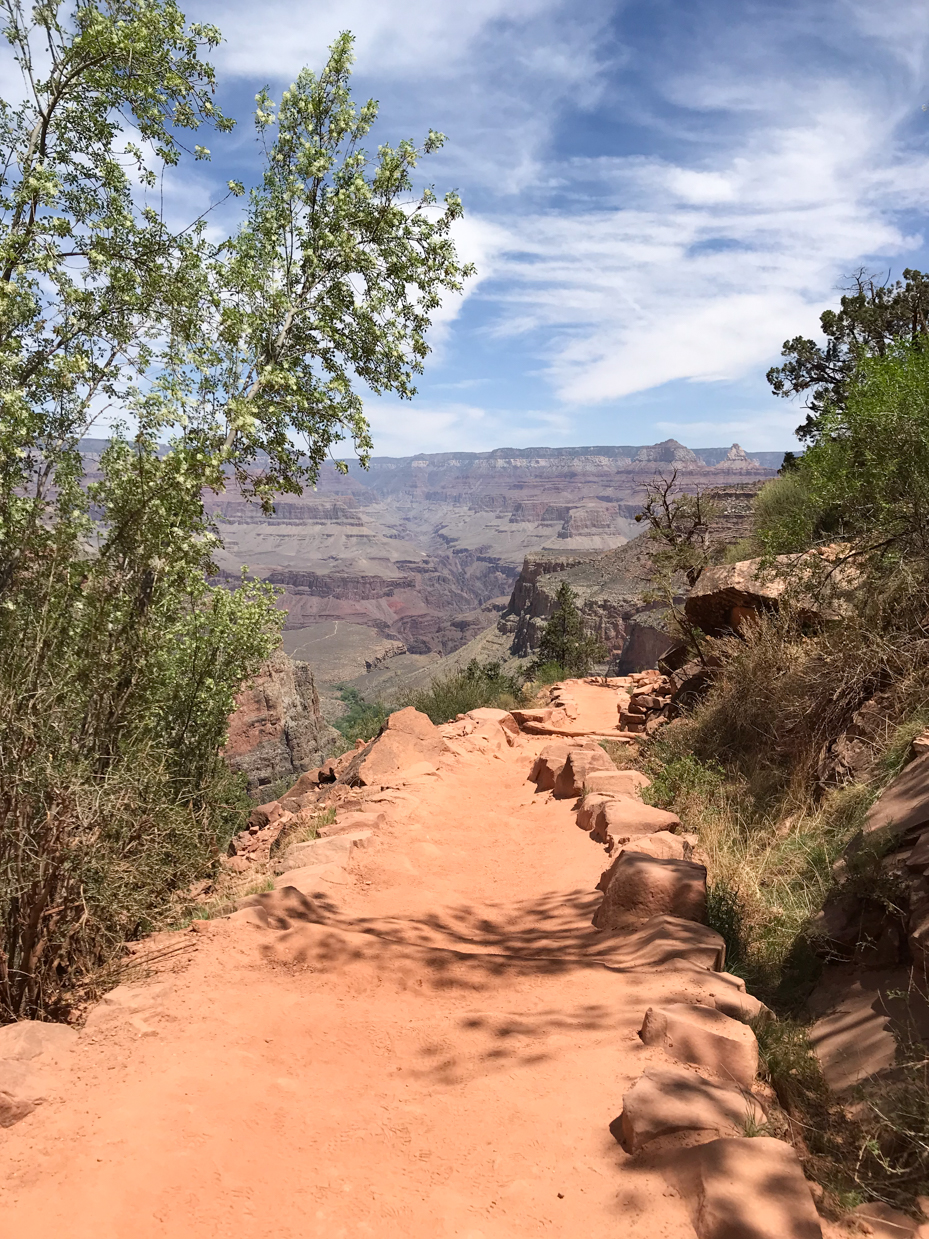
x,y
322,1082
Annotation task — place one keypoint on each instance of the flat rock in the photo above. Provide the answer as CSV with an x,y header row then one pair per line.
x,y
30,1038
617,782
637,887
625,818
741,1188
662,845
705,1037
580,764
673,1099
666,943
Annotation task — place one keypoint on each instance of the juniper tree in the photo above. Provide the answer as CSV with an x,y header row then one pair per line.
x,y
565,641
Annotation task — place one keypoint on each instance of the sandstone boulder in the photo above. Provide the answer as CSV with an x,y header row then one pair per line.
x,y
637,887
589,808
674,1099
617,782
625,818
662,845
740,1188
407,740
705,1037
334,850
351,823
580,764
29,1039
503,718
549,764
742,1006
667,943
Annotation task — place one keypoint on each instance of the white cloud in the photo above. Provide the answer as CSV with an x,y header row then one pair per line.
x,y
711,268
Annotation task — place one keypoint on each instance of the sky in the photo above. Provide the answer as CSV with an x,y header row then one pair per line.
x,y
657,194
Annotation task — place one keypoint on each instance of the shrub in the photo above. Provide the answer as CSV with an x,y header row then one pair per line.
x,y
475,686
363,719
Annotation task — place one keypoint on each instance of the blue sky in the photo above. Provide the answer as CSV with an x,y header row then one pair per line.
x,y
657,194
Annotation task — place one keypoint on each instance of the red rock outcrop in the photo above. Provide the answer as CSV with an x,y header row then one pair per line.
x,y
277,730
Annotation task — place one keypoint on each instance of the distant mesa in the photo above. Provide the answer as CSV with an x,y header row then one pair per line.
x,y
670,452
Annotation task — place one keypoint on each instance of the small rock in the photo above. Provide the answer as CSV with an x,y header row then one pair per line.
x,y
740,1188
704,1037
637,887
673,1099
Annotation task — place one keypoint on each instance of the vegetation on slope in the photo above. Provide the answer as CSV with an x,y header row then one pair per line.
x,y
118,662
749,766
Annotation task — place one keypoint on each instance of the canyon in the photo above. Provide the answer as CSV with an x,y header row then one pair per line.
x,y
419,555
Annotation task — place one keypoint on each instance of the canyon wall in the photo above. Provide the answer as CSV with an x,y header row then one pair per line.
x,y
422,553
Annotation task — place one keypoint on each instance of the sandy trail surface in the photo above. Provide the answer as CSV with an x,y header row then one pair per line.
x,y
432,1046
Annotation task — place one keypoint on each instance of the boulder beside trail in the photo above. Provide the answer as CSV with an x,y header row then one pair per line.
x,y
548,765
625,818
637,887
589,808
580,764
705,1037
673,1099
741,1188
617,782
667,943
662,845
407,741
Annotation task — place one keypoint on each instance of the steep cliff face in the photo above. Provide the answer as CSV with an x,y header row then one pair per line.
x,y
277,730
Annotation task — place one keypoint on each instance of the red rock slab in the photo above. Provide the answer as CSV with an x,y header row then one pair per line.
x,y
745,1188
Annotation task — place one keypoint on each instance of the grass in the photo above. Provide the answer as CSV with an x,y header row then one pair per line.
x,y
769,861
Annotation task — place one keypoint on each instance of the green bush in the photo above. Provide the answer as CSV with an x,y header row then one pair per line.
x,y
475,686
363,719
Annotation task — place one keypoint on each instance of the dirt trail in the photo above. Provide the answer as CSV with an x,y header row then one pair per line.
x,y
452,1071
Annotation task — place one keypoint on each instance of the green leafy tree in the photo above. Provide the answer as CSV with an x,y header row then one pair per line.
x,y
233,363
871,319
865,481
565,641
